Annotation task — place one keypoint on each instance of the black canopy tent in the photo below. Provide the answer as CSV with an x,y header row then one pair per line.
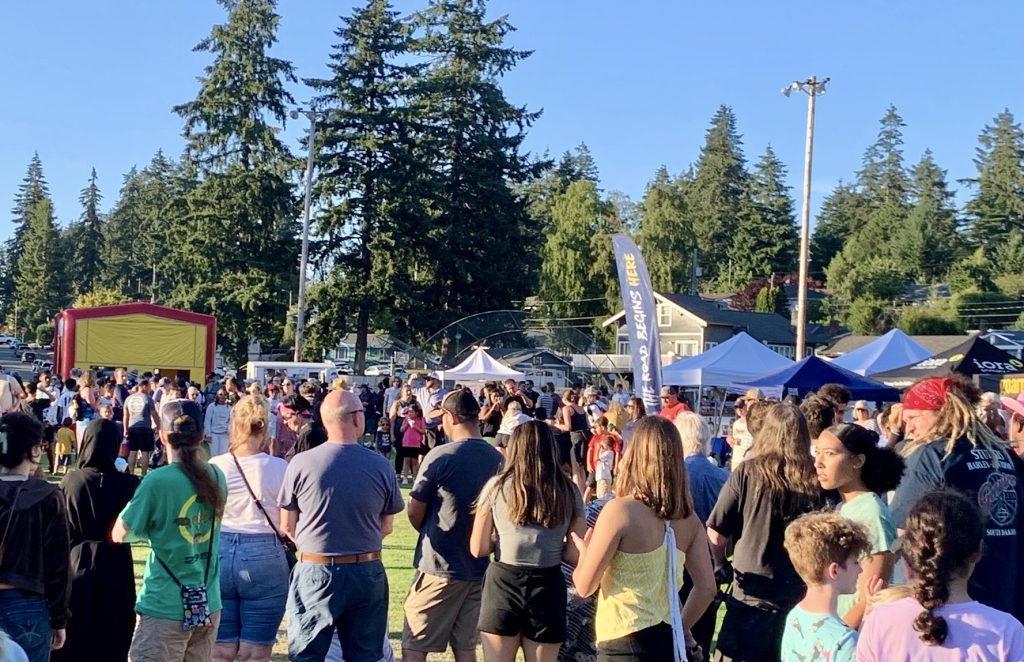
x,y
974,358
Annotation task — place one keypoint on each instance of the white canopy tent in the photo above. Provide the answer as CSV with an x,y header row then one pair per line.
x,y
480,367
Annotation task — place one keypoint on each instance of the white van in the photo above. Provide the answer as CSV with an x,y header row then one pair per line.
x,y
260,370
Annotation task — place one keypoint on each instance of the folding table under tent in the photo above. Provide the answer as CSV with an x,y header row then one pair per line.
x,y
893,350
740,357
975,358
480,367
811,374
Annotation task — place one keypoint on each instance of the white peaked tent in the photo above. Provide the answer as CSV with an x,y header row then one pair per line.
x,y
480,367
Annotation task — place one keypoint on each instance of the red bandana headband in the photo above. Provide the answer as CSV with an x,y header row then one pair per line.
x,y
928,395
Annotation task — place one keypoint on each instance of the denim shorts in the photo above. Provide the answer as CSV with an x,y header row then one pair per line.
x,y
253,587
26,620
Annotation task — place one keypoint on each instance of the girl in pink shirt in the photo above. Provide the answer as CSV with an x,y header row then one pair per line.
x,y
413,428
940,621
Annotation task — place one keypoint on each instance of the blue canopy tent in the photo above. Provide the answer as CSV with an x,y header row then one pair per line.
x,y
739,357
811,374
893,350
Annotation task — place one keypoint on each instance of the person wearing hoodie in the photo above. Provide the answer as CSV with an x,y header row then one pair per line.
x,y
34,549
103,584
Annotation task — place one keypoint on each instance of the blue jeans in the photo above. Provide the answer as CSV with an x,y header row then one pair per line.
x,y
26,620
253,587
352,598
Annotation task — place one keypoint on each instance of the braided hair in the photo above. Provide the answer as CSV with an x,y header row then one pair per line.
x,y
944,532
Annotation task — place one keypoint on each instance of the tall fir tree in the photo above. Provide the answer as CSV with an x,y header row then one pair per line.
x,y
87,249
121,233
998,205
37,289
369,177
666,237
717,192
32,190
571,282
472,141
930,244
842,214
766,239
235,247
883,176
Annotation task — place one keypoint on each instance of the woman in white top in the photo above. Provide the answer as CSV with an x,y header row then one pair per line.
x,y
217,424
253,568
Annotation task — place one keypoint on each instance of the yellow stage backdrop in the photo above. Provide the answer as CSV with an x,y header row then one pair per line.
x,y
143,342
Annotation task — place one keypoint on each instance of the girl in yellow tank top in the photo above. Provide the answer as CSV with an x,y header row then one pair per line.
x,y
635,554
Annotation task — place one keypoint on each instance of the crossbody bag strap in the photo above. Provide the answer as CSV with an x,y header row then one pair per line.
x,y
259,504
209,556
10,516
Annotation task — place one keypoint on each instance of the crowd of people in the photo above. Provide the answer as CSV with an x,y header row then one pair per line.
x,y
569,525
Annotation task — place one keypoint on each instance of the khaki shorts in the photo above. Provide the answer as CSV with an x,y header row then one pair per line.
x,y
604,488
439,612
161,639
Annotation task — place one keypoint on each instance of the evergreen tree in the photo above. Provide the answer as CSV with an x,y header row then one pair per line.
x,y
883,177
472,142
234,248
87,250
930,244
842,214
574,166
38,292
122,230
998,205
666,237
369,171
716,194
32,190
766,239
567,280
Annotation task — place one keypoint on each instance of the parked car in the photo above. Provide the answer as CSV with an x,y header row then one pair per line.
x,y
19,346
28,356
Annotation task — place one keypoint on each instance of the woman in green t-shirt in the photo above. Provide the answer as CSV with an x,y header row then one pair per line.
x,y
849,460
178,509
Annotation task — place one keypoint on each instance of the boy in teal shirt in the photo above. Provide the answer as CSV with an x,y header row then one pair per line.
x,y
183,530
825,549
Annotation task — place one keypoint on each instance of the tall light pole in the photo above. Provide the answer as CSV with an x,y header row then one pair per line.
x,y
812,87
300,317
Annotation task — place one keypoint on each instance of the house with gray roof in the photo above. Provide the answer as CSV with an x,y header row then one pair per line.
x,y
689,325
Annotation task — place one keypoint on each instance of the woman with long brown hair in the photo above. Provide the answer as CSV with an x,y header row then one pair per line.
x,y
531,505
774,485
950,446
635,410
178,509
254,570
635,555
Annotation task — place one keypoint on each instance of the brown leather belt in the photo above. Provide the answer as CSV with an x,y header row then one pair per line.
x,y
310,557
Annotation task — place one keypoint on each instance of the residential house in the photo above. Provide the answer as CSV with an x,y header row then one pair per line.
x,y
688,325
539,365
848,343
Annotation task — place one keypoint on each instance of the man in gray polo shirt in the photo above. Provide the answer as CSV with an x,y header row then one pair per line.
x,y
443,605
338,501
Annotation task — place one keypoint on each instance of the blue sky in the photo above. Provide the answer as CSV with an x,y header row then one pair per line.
x,y
92,84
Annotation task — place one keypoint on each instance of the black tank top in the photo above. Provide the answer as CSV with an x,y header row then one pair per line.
x,y
578,422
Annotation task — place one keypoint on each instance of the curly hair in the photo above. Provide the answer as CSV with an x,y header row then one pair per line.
x,y
957,420
883,467
815,540
819,412
944,532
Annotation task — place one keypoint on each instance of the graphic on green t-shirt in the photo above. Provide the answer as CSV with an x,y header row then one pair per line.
x,y
166,511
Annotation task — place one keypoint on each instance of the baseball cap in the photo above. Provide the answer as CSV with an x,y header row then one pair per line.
x,y
434,375
1014,405
460,402
175,409
861,404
